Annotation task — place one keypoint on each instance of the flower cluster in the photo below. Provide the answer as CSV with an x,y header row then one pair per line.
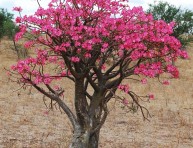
x,y
19,9
75,59
98,37
150,70
124,88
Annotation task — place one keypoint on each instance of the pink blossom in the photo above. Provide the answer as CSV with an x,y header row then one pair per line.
x,y
173,70
63,73
144,81
18,36
166,82
38,80
75,59
124,88
120,53
28,44
8,73
151,97
125,101
18,20
78,50
87,55
184,54
19,9
54,60
47,79
103,49
105,45
56,87
46,113
103,67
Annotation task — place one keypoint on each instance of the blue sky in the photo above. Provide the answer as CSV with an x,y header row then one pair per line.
x,y
29,6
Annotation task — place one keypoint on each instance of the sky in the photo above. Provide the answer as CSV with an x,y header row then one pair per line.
x,y
30,6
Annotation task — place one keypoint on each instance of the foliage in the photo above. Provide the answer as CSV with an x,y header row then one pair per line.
x,y
183,19
97,45
7,26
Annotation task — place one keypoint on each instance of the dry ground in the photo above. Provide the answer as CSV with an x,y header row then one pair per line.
x,y
24,122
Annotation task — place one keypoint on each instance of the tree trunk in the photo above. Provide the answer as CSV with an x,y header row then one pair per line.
x,y
86,134
85,139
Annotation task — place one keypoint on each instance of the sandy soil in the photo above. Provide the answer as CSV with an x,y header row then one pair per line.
x,y
25,122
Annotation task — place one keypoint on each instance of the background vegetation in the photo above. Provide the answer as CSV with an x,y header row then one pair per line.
x,y
183,19
7,25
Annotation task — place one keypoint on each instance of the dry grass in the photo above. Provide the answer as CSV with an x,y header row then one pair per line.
x,y
24,123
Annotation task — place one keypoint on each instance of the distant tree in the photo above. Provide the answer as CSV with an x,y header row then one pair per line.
x,y
2,19
7,26
183,19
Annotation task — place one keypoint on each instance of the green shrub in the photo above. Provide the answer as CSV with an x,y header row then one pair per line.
x,y
7,26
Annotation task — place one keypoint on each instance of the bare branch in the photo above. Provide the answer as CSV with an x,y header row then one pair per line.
x,y
92,83
142,108
65,108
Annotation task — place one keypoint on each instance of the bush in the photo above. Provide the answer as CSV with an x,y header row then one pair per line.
x,y
182,18
7,26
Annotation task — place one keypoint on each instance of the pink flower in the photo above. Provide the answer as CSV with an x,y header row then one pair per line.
x,y
144,81
125,101
8,73
75,59
18,36
184,54
63,73
151,96
173,71
37,80
78,50
120,53
47,80
46,112
124,88
166,82
28,44
103,67
56,87
105,45
13,67
103,49
18,20
87,55
19,9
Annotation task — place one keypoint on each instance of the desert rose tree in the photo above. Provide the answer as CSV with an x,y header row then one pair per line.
x,y
96,44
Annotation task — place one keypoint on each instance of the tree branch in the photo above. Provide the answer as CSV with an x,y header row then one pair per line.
x,y
65,108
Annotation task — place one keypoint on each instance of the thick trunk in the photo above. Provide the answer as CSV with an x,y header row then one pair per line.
x,y
90,120
81,104
85,140
94,140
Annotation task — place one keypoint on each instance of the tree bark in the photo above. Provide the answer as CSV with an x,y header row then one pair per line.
x,y
84,139
86,134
